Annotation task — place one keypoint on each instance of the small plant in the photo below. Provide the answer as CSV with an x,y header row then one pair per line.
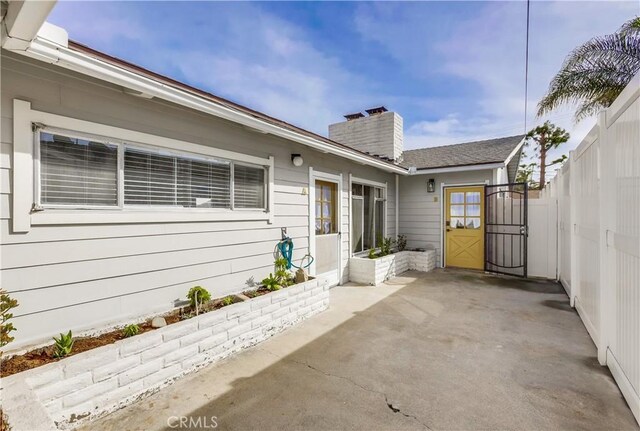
x,y
372,253
6,304
130,330
63,345
198,295
282,273
385,246
401,242
271,283
227,300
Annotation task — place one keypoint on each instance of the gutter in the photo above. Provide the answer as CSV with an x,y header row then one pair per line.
x,y
52,48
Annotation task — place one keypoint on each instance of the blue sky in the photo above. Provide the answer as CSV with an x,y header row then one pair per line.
x,y
453,70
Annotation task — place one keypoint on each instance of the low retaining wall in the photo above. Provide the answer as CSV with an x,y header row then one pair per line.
x,y
93,383
376,271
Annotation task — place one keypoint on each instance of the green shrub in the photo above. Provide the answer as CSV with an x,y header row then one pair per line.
x,y
227,300
130,330
200,294
385,246
6,304
63,345
372,254
401,242
271,283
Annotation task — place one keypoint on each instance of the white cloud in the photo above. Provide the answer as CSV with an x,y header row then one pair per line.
x,y
487,50
238,51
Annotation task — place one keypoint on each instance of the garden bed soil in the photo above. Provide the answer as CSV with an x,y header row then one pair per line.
x,y
44,355
255,293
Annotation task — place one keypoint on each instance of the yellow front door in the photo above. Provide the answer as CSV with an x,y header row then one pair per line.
x,y
464,227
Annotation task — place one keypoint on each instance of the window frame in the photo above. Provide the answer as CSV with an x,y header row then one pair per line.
x,y
333,207
38,170
373,184
28,209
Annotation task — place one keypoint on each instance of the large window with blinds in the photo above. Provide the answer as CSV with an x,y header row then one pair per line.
x,y
85,172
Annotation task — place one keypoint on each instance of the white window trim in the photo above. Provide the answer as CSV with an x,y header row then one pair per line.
x,y
371,183
26,185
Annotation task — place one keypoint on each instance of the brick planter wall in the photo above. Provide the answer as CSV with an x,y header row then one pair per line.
x,y
375,271
93,383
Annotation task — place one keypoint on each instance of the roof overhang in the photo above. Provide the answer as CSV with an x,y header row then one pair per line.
x,y
445,169
515,151
52,48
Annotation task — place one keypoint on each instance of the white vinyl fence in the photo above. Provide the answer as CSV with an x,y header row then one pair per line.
x,y
596,200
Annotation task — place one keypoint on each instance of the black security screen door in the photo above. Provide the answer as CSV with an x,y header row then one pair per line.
x,y
506,229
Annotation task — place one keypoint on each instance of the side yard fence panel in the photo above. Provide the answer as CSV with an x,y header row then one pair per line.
x,y
597,193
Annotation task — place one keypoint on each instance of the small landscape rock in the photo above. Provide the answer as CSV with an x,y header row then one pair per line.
x,y
301,276
158,322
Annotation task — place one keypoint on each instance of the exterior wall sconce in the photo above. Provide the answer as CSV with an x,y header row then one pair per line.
x,y
297,160
431,185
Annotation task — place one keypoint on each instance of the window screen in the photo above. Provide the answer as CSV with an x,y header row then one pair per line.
x,y
77,171
167,180
203,184
80,172
248,187
149,178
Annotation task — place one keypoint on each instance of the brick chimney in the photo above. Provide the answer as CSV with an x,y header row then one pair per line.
x,y
379,133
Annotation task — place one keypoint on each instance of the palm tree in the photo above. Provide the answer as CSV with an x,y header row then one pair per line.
x,y
594,74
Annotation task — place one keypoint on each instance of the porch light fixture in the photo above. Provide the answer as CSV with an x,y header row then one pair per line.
x,y
297,160
431,185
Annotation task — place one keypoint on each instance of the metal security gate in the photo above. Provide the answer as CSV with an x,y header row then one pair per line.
x,y
506,229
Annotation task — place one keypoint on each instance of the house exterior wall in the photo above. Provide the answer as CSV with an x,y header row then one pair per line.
x,y
420,216
88,276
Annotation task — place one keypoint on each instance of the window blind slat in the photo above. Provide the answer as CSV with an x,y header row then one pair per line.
x,y
155,179
248,187
76,171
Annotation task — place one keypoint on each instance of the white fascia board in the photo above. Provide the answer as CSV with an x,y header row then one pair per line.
x,y
22,22
515,151
459,169
45,50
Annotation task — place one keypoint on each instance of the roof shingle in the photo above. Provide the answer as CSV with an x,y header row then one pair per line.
x,y
470,153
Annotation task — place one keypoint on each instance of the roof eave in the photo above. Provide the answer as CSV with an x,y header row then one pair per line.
x,y
50,52
459,168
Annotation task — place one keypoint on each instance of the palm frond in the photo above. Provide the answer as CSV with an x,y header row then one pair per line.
x,y
595,73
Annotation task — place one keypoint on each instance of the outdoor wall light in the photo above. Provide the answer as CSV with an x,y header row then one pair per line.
x,y
297,160
431,185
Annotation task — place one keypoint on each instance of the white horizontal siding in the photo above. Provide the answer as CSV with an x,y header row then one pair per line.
x,y
81,277
420,211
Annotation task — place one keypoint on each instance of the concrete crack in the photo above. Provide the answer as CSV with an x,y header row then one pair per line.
x,y
397,410
386,398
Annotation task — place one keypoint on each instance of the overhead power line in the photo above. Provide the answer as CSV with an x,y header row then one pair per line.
x,y
526,71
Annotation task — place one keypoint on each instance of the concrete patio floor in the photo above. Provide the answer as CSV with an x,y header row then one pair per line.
x,y
443,350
